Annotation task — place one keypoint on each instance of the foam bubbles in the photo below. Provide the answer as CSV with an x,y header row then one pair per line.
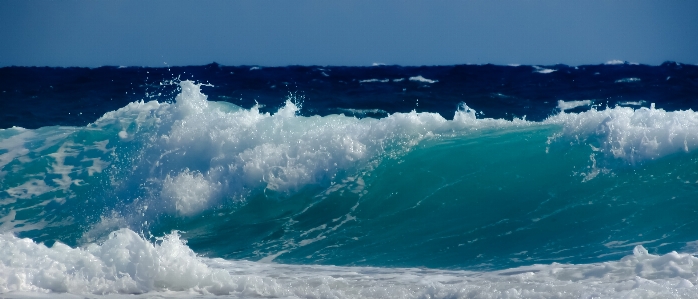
x,y
374,80
189,191
127,264
628,80
12,145
633,135
541,70
124,264
423,80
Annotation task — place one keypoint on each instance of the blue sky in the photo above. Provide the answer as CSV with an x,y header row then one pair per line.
x,y
274,33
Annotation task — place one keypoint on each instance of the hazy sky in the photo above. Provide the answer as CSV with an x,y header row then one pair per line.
x,y
275,32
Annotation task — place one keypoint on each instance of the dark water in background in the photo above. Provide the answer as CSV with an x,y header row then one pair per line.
x,y
499,91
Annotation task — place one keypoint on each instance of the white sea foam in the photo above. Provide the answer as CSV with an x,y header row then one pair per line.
x,y
543,70
126,264
632,103
189,191
633,135
11,224
614,62
17,146
422,79
567,105
374,80
363,112
13,145
29,189
628,80
101,229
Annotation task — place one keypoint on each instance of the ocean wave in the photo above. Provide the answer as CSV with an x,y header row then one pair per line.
x,y
185,196
151,166
195,153
215,148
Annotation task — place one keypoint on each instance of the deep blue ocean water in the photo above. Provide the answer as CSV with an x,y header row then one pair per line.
x,y
466,181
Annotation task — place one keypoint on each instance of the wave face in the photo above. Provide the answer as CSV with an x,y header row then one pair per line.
x,y
194,196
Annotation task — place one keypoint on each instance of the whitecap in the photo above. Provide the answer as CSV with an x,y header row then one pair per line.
x,y
628,80
422,79
567,105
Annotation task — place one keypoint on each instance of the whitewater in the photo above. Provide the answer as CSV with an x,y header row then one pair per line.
x,y
195,197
